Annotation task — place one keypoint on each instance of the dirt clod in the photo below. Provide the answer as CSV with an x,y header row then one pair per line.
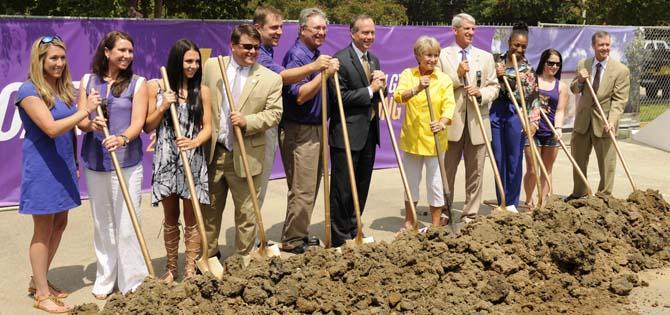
x,y
564,258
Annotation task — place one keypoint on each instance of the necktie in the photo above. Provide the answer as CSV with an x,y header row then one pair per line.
x,y
237,85
366,66
464,57
596,78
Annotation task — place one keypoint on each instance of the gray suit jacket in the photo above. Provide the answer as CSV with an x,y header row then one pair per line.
x,y
481,63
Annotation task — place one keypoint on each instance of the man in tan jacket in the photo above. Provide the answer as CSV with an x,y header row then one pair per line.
x,y
256,92
611,82
473,72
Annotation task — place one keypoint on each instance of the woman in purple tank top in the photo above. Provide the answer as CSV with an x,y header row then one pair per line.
x,y
552,99
119,258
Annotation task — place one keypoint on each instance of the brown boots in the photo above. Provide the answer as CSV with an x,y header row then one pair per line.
x,y
192,242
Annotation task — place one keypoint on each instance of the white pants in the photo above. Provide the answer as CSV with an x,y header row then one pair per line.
x,y
116,247
413,168
271,139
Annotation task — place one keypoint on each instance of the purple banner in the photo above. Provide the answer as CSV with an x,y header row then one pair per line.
x,y
153,40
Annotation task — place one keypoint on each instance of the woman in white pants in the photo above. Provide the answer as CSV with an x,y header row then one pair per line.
x,y
124,99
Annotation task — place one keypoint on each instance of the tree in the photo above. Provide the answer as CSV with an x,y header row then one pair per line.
x,y
382,11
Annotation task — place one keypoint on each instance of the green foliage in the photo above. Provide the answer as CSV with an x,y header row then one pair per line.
x,y
340,12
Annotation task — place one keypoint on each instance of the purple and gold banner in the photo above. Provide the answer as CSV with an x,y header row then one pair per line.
x,y
153,40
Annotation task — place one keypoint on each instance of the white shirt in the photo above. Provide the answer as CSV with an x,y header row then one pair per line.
x,y
602,69
226,130
360,55
468,52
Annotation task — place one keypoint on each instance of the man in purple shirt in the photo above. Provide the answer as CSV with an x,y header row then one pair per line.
x,y
300,130
269,22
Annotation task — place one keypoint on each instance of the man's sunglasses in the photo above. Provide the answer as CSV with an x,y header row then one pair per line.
x,y
50,38
250,46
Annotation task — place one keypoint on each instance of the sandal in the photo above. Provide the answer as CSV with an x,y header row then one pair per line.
x,y
40,301
60,293
100,297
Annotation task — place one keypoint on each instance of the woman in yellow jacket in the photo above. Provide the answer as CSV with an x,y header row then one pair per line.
x,y
417,139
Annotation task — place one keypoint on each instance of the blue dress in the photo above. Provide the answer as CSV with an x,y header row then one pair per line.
x,y
48,177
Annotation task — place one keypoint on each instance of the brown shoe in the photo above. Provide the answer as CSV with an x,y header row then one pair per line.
x,y
192,242
51,304
171,239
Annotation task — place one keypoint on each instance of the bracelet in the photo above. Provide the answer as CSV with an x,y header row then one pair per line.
x,y
125,140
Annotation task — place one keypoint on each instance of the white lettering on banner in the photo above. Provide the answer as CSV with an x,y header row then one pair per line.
x,y
15,126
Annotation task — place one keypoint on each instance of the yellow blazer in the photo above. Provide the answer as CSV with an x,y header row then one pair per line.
x,y
261,104
415,135
612,94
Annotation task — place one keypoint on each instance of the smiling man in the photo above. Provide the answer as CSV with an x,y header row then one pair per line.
x,y
472,71
269,23
611,83
256,94
300,131
360,82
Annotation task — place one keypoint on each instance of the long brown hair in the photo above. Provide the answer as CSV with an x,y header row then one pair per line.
x,y
64,88
100,63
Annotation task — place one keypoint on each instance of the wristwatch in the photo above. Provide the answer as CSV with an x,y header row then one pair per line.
x,y
125,140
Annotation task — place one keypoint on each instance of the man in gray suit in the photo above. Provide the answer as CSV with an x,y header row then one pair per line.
x,y
472,71
611,82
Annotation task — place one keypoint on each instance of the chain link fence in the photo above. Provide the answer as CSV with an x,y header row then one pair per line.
x,y
653,46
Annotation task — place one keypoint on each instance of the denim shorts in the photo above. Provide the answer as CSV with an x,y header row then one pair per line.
x,y
544,141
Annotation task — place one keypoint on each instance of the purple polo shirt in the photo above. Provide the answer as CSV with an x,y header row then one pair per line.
x,y
309,113
266,59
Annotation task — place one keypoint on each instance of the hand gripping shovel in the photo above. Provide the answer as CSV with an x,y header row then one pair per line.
x,y
401,167
350,166
264,250
129,203
440,162
601,115
204,264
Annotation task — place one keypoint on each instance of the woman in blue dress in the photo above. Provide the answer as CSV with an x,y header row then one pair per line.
x,y
48,177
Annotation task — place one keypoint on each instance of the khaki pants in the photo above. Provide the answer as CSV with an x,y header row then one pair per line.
x,y
474,156
580,147
221,179
300,147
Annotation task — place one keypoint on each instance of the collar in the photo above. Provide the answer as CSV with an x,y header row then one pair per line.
x,y
416,73
359,53
311,54
268,50
602,63
234,65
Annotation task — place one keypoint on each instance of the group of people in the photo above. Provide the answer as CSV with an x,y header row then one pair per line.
x,y
280,105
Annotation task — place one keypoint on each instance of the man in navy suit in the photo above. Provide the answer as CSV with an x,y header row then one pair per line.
x,y
360,83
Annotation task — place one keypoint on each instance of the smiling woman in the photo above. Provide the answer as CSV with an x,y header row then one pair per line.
x,y
45,107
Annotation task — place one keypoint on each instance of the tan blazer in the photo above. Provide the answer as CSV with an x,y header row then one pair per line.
x,y
612,94
260,102
480,61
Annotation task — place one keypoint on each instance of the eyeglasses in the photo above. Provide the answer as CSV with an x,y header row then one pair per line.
x,y
50,38
553,63
250,46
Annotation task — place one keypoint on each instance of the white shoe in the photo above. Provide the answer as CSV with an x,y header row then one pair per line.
x,y
511,209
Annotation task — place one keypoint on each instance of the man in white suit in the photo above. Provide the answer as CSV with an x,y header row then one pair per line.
x,y
472,71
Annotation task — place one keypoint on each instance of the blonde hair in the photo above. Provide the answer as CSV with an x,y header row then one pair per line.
x,y
64,88
424,44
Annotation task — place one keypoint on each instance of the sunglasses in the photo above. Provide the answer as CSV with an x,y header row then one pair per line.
x,y
553,63
250,46
50,38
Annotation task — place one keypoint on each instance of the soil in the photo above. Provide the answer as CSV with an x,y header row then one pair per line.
x,y
579,257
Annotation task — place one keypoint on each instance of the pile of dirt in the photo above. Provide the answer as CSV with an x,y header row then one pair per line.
x,y
578,257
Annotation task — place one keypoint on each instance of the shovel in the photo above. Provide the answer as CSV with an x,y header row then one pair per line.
x,y
525,122
350,166
610,132
440,162
264,250
401,167
129,202
204,264
325,155
567,152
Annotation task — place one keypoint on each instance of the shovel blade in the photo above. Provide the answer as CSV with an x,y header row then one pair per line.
x,y
212,265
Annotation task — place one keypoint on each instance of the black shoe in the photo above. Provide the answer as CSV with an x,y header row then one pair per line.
x,y
300,249
311,241
572,197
